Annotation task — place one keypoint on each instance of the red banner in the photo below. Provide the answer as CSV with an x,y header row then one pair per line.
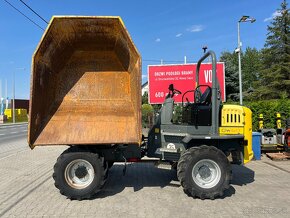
x,y
183,78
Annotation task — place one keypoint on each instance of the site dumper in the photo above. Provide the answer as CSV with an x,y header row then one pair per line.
x,y
86,94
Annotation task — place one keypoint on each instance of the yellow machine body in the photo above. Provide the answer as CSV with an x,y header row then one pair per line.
x,y
235,120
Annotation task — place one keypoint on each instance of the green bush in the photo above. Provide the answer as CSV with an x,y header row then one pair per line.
x,y
177,114
147,115
269,109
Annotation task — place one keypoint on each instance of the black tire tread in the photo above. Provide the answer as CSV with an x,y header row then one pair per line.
x,y
66,154
182,167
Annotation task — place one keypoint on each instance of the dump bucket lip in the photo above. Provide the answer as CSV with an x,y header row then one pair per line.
x,y
54,17
45,33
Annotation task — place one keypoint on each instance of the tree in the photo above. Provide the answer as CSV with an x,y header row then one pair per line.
x,y
147,115
274,80
251,67
231,75
145,98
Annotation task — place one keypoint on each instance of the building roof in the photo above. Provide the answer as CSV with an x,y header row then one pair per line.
x,y
144,84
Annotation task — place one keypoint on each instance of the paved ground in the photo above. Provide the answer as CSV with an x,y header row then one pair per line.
x,y
261,189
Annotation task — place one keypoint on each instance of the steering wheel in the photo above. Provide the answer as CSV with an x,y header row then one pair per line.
x,y
184,95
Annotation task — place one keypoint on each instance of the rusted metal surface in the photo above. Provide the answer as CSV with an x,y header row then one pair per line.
x,y
85,84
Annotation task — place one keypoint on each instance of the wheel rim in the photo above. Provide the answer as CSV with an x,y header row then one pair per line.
x,y
206,173
79,174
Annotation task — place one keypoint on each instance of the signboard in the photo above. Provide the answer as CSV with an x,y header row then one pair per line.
x,y
183,78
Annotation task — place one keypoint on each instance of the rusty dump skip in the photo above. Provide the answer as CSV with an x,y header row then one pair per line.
x,y
85,84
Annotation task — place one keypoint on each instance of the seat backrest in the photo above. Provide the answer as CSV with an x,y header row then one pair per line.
x,y
205,99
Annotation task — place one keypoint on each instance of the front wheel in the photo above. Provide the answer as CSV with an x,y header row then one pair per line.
x,y
204,172
80,175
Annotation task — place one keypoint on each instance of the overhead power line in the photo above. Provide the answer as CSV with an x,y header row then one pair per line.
x,y
23,14
33,11
158,61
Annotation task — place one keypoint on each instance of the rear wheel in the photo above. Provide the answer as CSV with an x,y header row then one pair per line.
x,y
80,175
110,164
204,172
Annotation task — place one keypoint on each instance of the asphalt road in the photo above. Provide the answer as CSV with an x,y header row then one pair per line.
x,y
259,189
13,139
12,132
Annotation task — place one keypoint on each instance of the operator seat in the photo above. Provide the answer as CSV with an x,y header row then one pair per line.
x,y
205,99
201,111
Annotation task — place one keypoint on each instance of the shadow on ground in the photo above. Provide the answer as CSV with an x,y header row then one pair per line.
x,y
242,175
138,176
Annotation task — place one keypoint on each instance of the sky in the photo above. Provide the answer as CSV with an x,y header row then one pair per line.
x,y
165,29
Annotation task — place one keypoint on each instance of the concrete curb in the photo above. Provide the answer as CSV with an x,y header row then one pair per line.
x,y
3,125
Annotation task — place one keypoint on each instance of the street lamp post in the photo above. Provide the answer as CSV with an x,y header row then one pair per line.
x,y
13,108
13,101
243,19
